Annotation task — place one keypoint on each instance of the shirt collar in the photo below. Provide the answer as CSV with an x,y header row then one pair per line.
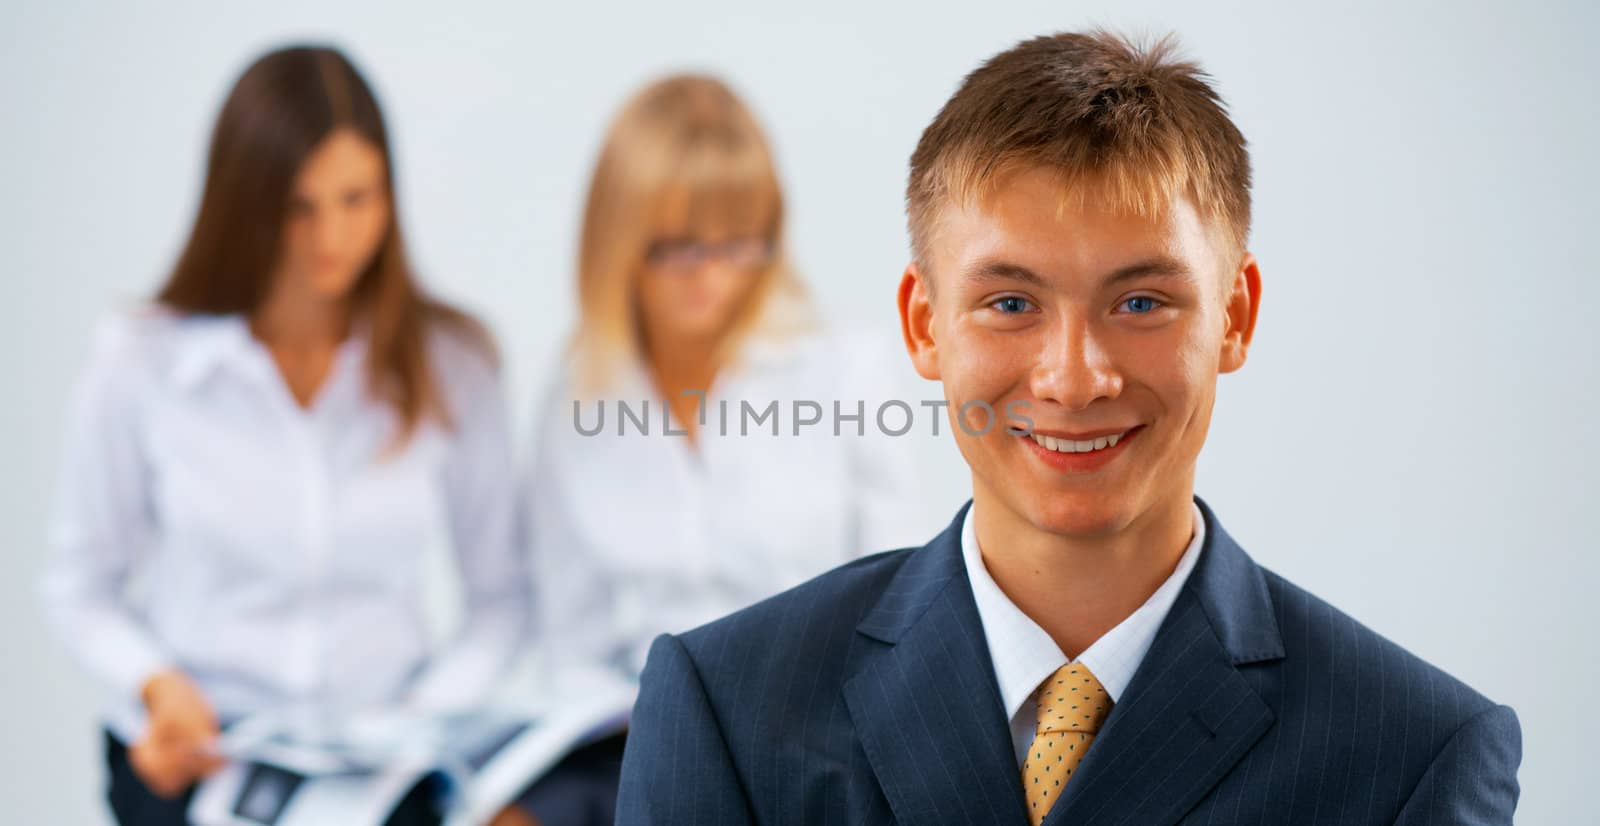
x,y
209,342
205,343
1024,654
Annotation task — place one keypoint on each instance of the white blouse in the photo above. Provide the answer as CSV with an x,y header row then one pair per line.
x,y
635,535
205,521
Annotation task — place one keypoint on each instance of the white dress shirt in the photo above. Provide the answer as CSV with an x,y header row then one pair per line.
x,y
1024,654
637,535
207,522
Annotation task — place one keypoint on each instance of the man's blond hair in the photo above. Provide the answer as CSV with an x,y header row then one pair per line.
x,y
1127,126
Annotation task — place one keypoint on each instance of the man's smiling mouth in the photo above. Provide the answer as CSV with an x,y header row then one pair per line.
x,y
1084,443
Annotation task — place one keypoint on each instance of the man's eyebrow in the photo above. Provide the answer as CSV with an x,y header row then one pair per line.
x,y
1161,266
994,269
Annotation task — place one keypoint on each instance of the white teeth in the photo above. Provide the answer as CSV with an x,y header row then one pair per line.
x,y
1071,446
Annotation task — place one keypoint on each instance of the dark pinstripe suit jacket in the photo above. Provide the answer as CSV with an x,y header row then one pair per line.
x,y
868,696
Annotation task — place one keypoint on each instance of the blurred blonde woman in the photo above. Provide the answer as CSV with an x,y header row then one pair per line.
x,y
689,312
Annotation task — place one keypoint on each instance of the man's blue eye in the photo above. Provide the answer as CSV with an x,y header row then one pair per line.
x,y
1011,304
1141,304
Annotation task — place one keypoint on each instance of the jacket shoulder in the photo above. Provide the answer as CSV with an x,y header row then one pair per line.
x,y
1333,652
806,625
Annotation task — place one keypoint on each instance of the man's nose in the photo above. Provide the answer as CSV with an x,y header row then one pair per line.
x,y
1075,368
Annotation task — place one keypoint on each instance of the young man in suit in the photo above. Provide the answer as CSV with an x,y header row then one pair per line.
x,y
1084,644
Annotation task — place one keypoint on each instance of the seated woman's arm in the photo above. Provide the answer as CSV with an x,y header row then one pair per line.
x,y
102,520
480,500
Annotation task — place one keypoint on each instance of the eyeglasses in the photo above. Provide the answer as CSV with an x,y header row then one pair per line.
x,y
686,255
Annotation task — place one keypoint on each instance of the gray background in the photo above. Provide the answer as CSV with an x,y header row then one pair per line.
x,y
1410,440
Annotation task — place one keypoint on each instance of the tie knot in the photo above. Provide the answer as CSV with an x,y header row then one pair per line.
x,y
1072,700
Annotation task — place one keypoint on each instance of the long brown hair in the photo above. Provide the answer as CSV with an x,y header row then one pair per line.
x,y
684,150
280,109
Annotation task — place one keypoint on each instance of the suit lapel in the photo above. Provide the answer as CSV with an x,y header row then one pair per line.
x,y
924,702
1188,715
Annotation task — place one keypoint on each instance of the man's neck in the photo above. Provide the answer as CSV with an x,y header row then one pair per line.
x,y
1078,588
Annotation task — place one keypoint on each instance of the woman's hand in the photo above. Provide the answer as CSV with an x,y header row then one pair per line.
x,y
179,743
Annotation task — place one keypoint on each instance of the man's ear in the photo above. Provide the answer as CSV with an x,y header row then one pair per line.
x,y
1243,302
916,322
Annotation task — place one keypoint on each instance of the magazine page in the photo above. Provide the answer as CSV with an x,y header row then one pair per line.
x,y
309,768
492,774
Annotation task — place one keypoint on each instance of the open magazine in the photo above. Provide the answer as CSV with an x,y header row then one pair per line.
x,y
309,768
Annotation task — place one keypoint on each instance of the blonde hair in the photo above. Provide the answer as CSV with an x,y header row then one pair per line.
x,y
683,152
1132,126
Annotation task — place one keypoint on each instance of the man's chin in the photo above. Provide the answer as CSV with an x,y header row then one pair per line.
x,y
1080,515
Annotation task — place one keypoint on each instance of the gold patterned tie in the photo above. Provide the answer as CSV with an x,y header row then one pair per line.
x,y
1071,706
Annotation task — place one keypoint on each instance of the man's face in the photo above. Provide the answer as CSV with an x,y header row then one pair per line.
x,y
1106,330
